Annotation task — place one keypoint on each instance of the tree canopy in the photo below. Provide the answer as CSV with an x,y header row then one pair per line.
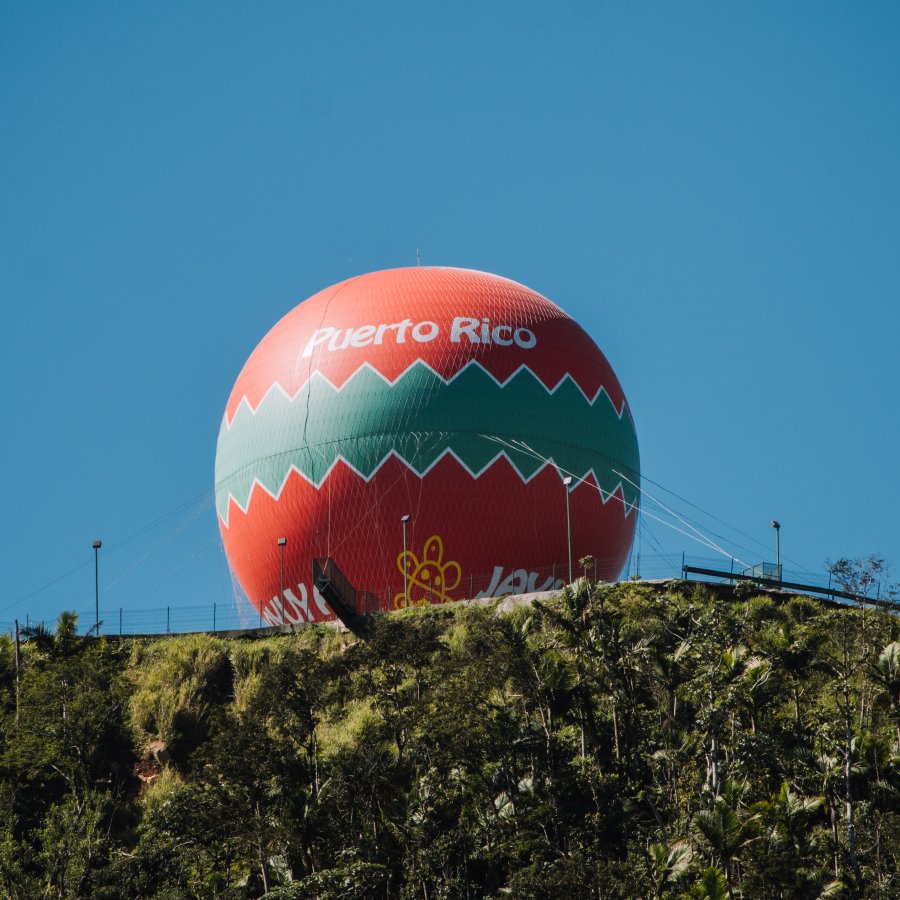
x,y
635,740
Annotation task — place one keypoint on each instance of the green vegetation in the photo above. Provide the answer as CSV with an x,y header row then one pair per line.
x,y
627,741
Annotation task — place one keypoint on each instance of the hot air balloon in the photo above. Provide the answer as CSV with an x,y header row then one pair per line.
x,y
416,427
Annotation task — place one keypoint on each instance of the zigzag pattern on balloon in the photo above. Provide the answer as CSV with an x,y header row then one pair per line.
x,y
432,418
617,492
246,405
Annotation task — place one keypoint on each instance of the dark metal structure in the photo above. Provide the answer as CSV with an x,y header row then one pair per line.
x,y
354,608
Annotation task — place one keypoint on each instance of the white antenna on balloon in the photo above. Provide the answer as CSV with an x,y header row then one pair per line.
x,y
418,257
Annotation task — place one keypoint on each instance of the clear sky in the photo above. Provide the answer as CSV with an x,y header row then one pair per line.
x,y
711,189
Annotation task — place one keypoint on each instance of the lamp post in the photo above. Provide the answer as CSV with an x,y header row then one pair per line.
x,y
97,546
777,527
403,522
567,481
281,545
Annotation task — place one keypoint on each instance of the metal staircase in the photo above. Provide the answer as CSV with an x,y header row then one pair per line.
x,y
354,608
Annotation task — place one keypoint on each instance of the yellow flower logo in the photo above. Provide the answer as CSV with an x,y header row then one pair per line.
x,y
430,579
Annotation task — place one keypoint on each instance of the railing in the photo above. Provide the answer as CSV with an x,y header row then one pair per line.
x,y
211,617
240,615
773,576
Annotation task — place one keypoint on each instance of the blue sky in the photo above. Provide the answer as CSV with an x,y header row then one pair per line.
x,y
712,190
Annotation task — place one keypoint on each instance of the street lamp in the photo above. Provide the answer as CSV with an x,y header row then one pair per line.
x,y
777,527
281,545
403,522
568,481
97,546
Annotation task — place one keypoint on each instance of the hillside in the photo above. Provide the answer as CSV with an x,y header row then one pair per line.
x,y
633,740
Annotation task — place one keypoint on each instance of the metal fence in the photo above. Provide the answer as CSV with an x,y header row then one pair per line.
x,y
422,588
210,617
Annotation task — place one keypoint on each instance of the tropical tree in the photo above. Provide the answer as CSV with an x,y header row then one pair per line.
x,y
886,672
55,644
728,828
667,864
711,885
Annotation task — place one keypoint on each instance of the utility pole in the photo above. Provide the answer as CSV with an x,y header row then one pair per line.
x,y
97,546
567,481
281,544
17,672
777,527
403,522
